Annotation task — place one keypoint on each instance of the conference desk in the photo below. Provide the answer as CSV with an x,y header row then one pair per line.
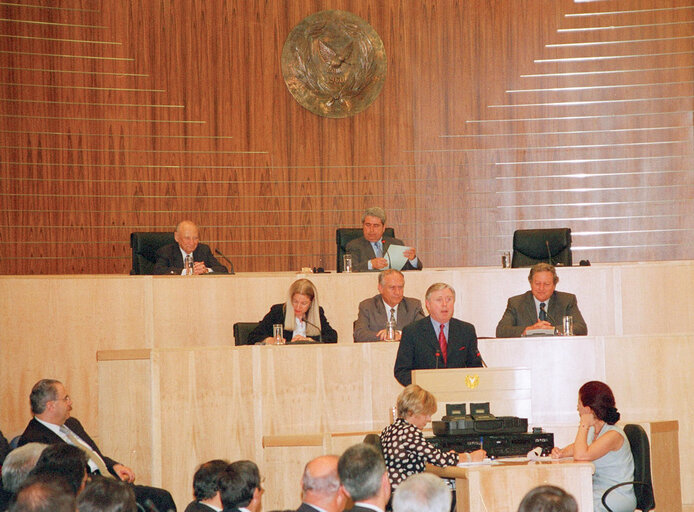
x,y
501,487
282,405
638,315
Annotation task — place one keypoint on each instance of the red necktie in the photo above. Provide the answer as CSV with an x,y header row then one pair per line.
x,y
443,345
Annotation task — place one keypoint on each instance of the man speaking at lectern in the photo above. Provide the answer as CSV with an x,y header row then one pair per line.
x,y
437,341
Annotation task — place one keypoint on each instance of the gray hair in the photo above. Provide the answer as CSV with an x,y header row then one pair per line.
x,y
374,211
18,464
437,287
43,392
422,492
361,470
382,275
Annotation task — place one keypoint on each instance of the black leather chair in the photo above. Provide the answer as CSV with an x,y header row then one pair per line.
x,y
145,246
643,485
242,330
343,236
531,246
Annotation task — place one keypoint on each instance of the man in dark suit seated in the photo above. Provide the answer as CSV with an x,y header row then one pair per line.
x,y
375,312
320,486
206,487
368,252
364,478
239,487
52,424
540,308
171,258
437,341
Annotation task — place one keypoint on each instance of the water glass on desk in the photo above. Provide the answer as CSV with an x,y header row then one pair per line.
x,y
568,324
278,334
347,263
390,330
189,264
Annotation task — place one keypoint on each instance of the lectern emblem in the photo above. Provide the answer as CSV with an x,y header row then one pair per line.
x,y
472,381
334,63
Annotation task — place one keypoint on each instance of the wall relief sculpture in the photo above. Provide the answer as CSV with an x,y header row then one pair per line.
x,y
334,63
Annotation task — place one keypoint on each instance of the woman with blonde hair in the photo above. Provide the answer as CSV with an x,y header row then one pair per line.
x,y
301,316
405,450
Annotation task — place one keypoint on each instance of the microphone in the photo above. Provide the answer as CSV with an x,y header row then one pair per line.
x,y
549,253
320,333
438,354
383,242
227,259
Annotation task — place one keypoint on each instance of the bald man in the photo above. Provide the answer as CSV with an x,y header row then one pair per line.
x,y
170,258
320,486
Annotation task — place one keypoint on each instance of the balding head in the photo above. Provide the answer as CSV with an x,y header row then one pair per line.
x,y
320,484
187,236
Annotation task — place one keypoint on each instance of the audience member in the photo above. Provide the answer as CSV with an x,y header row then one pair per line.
x,y
171,258
369,251
606,445
548,498
52,423
19,464
239,487
320,486
364,478
44,493
65,460
422,492
206,487
390,303
540,308
405,450
106,495
437,341
301,316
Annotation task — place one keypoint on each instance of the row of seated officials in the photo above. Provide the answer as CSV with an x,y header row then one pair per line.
x,y
59,468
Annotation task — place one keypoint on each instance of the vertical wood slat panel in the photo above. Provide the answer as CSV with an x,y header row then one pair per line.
x,y
131,115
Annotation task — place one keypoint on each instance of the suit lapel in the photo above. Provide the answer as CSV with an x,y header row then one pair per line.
x,y
178,257
531,311
381,313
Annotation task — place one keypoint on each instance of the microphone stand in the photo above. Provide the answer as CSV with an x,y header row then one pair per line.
x,y
227,259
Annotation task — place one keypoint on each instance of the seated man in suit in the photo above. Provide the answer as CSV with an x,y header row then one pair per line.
x,y
364,478
540,308
239,487
52,424
368,252
375,312
437,341
171,258
206,487
320,486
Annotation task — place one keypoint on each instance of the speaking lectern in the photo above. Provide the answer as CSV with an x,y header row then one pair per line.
x,y
506,389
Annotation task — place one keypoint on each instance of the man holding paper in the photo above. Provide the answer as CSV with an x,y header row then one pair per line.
x,y
375,252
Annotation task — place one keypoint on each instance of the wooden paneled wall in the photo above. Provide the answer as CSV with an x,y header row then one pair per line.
x,y
130,115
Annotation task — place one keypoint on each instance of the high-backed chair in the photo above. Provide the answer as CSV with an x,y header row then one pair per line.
x,y
375,441
531,246
643,485
145,245
242,330
343,236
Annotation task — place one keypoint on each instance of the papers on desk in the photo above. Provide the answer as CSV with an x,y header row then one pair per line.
x,y
396,257
485,462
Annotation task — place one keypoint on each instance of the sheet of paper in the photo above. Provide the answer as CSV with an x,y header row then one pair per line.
x,y
484,462
395,256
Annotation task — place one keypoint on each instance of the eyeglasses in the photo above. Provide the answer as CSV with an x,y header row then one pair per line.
x,y
65,399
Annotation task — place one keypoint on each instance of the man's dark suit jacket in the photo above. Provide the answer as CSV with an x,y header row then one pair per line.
x,y
520,313
4,448
170,260
357,508
373,317
362,251
37,433
420,344
196,506
305,507
276,316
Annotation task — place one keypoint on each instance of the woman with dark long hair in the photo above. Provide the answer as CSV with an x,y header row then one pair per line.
x,y
598,440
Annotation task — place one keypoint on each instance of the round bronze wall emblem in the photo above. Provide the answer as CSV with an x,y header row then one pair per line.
x,y
334,64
